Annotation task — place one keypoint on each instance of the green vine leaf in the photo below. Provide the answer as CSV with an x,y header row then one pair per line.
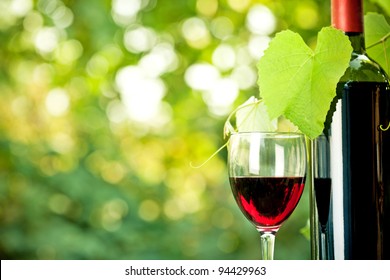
x,y
300,83
252,115
384,4
378,39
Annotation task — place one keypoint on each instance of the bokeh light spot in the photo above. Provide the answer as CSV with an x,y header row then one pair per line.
x,y
59,203
62,17
33,21
69,51
113,172
57,102
149,210
142,96
112,214
196,33
257,45
116,111
139,39
47,39
207,7
222,27
201,76
239,5
161,59
21,7
172,209
245,76
97,66
125,11
224,57
307,15
260,20
221,96
62,143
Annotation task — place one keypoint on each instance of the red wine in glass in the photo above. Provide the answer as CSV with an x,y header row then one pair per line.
x,y
267,201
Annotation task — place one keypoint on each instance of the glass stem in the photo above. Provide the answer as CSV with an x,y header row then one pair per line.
x,y
267,245
324,244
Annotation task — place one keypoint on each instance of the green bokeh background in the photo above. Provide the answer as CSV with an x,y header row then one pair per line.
x,y
101,115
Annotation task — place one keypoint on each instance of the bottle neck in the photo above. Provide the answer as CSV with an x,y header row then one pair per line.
x,y
357,42
347,15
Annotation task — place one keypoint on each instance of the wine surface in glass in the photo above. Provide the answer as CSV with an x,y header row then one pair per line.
x,y
267,201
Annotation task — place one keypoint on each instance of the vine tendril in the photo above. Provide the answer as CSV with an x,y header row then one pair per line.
x,y
384,129
210,157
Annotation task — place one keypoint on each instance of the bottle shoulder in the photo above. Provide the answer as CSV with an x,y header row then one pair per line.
x,y
363,69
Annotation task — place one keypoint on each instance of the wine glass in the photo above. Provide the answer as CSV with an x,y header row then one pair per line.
x,y
267,172
322,192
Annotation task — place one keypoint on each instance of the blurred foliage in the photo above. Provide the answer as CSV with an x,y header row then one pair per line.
x,y
104,104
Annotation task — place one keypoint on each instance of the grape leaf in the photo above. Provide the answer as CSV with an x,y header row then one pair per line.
x,y
300,83
385,4
378,39
253,116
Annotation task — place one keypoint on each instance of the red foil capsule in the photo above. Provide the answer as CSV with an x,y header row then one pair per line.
x,y
347,15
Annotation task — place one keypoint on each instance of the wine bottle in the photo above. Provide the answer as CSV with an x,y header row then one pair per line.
x,y
360,148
